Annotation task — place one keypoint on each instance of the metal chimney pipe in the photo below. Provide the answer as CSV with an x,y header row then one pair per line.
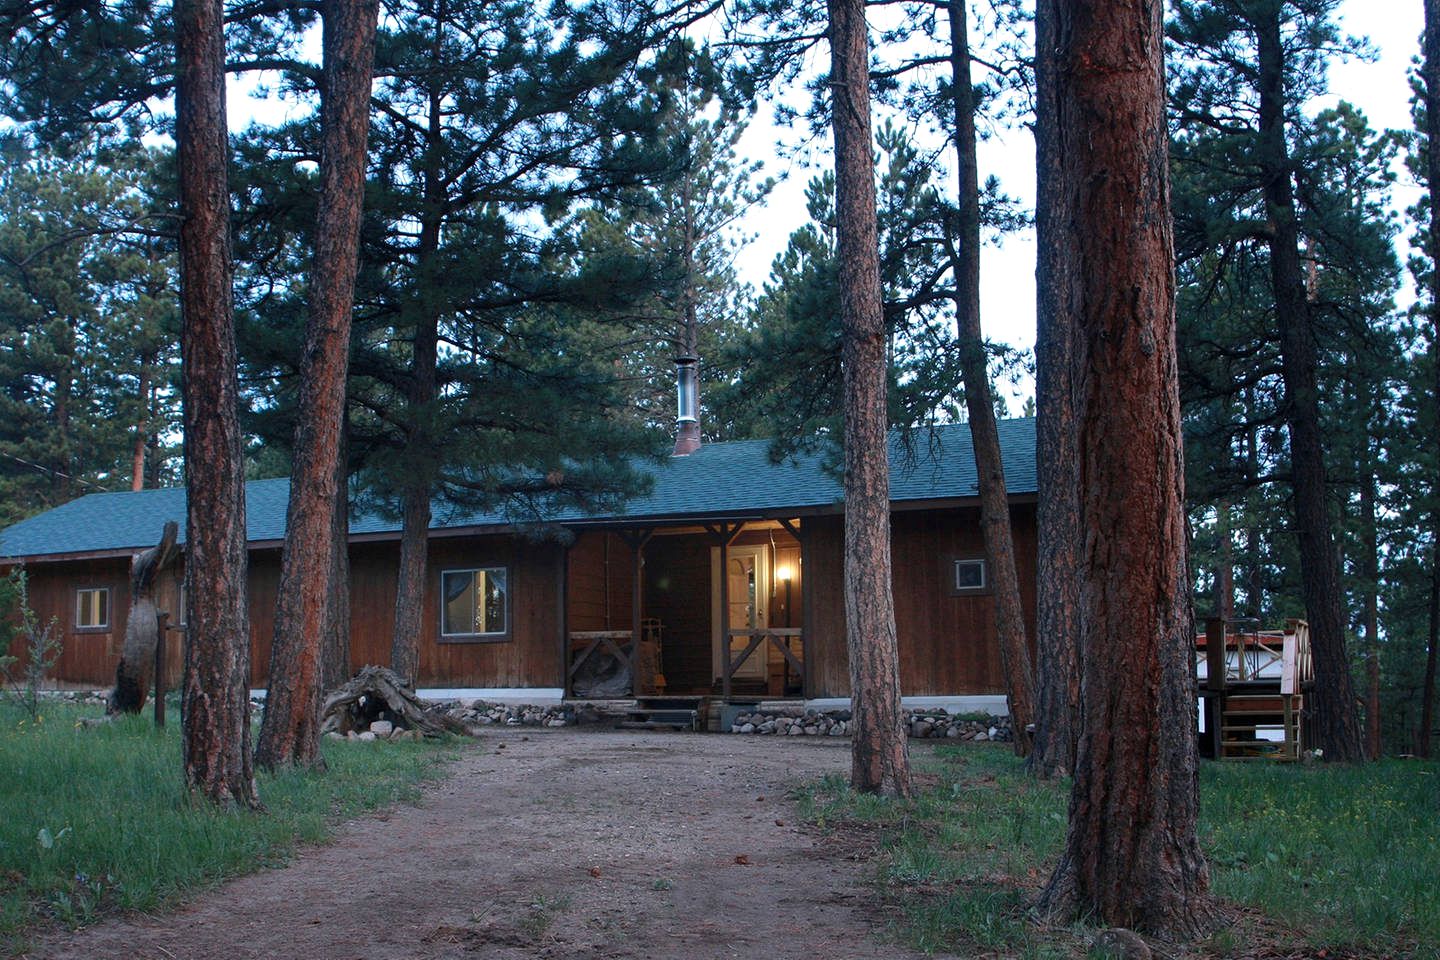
x,y
687,415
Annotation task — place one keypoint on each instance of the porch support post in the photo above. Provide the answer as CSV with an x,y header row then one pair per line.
x,y
798,531
637,542
726,534
562,616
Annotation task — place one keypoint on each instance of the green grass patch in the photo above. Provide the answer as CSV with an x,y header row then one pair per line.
x,y
1343,859
95,820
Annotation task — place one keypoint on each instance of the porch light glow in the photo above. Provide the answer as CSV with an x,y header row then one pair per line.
x,y
785,573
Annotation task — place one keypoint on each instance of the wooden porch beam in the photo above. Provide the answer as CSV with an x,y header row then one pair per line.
x,y
562,618
792,527
755,640
637,600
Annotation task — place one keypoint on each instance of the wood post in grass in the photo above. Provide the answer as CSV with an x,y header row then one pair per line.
x,y
162,623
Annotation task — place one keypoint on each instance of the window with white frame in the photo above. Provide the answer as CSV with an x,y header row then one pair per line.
x,y
474,603
968,575
92,608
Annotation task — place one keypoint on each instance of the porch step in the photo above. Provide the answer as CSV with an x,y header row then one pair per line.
x,y
665,713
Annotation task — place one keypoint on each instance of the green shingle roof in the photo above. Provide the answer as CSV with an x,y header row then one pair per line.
x,y
720,479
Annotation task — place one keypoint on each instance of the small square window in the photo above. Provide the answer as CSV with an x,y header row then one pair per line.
x,y
968,576
92,608
474,603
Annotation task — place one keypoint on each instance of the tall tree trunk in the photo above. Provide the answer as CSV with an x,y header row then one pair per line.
x,y
137,451
421,396
1057,457
1255,574
985,438
415,498
1131,857
1427,691
879,750
290,732
335,661
1331,719
1430,71
215,703
1369,528
1225,568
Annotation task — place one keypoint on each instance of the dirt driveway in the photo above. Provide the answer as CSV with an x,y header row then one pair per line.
x,y
554,844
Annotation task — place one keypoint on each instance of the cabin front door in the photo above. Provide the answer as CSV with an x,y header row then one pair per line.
x,y
748,573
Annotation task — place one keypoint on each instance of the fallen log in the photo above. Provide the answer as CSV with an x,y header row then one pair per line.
x,y
378,693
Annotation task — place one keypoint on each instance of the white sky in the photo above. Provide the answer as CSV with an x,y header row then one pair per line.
x,y
1380,89
1007,286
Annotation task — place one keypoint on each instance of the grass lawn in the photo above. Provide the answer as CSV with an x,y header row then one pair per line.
x,y
96,820
1316,858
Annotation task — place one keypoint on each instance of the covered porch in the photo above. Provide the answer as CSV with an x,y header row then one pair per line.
x,y
704,609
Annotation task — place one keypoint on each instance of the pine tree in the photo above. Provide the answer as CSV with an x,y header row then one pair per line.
x,y
87,321
879,752
1132,858
1245,69
306,608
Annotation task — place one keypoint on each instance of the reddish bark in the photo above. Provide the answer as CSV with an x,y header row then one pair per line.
x,y
290,732
1057,673
880,760
1330,707
215,699
985,438
1131,857
335,659
137,455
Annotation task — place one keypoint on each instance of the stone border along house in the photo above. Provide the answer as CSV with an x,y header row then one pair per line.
x,y
729,573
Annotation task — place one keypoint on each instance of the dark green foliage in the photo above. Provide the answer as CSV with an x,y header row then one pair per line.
x,y
790,388
88,318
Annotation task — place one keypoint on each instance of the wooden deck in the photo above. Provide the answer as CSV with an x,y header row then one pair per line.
x,y
1252,687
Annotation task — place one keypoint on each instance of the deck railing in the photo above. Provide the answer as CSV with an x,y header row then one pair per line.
x,y
779,637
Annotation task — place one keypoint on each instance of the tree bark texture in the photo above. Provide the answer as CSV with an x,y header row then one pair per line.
x,y
1430,72
1131,857
1371,559
142,437
335,659
290,732
1057,459
215,701
423,392
1330,708
137,658
880,760
1014,645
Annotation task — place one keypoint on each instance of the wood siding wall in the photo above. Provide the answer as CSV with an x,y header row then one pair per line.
x,y
947,643
528,656
602,582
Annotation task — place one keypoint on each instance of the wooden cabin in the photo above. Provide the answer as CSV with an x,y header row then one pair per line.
x,y
725,580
